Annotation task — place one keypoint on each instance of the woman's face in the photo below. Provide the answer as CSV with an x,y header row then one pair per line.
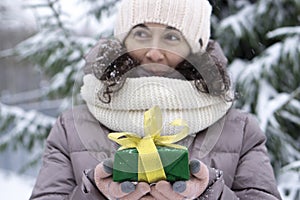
x,y
157,47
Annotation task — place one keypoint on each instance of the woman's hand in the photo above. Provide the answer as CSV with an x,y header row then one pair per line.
x,y
190,189
115,190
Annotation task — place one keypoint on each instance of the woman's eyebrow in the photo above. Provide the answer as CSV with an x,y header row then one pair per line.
x,y
141,25
171,28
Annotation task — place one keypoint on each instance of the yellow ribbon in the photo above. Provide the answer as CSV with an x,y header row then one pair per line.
x,y
150,167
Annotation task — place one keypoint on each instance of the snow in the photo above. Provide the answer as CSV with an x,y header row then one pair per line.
x,y
293,118
42,120
14,16
291,48
14,186
30,120
289,185
105,26
272,56
292,165
59,52
74,15
37,43
236,68
60,79
269,102
251,70
263,108
74,55
243,19
295,104
263,63
262,7
284,31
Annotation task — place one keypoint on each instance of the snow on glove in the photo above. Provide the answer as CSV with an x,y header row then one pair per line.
x,y
114,190
215,74
216,52
107,56
190,189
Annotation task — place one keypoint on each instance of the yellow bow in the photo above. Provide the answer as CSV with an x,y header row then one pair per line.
x,y
150,167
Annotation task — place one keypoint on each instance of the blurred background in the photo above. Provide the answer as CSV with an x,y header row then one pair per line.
x,y
43,42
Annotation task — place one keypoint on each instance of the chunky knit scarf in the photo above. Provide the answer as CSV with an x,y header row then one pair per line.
x,y
176,98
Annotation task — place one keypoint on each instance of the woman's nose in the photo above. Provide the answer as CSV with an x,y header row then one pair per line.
x,y
155,55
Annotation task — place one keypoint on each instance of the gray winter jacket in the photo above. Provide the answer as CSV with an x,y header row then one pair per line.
x,y
239,152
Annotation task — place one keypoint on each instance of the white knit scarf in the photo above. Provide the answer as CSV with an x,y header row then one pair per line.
x,y
176,98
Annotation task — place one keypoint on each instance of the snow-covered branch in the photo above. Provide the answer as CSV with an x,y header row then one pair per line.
x,y
18,124
284,31
240,22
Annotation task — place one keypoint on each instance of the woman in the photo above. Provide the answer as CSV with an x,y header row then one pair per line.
x,y
162,56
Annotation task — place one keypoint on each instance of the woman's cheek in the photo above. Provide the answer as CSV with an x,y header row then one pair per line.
x,y
137,54
174,59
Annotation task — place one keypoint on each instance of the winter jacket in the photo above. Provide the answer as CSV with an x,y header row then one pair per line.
x,y
239,152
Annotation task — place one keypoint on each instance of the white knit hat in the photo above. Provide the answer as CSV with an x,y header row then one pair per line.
x,y
191,17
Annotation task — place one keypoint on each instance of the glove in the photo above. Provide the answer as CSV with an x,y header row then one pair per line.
x,y
190,189
108,60
209,69
114,190
220,80
215,51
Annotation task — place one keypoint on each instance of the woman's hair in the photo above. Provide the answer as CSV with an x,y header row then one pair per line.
x,y
114,75
209,75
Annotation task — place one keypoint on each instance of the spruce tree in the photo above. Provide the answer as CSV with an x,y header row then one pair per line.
x,y
261,41
57,49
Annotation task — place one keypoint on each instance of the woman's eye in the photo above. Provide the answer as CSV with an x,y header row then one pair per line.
x,y
172,37
141,34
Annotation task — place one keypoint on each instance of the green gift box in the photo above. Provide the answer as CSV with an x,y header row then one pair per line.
x,y
174,160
